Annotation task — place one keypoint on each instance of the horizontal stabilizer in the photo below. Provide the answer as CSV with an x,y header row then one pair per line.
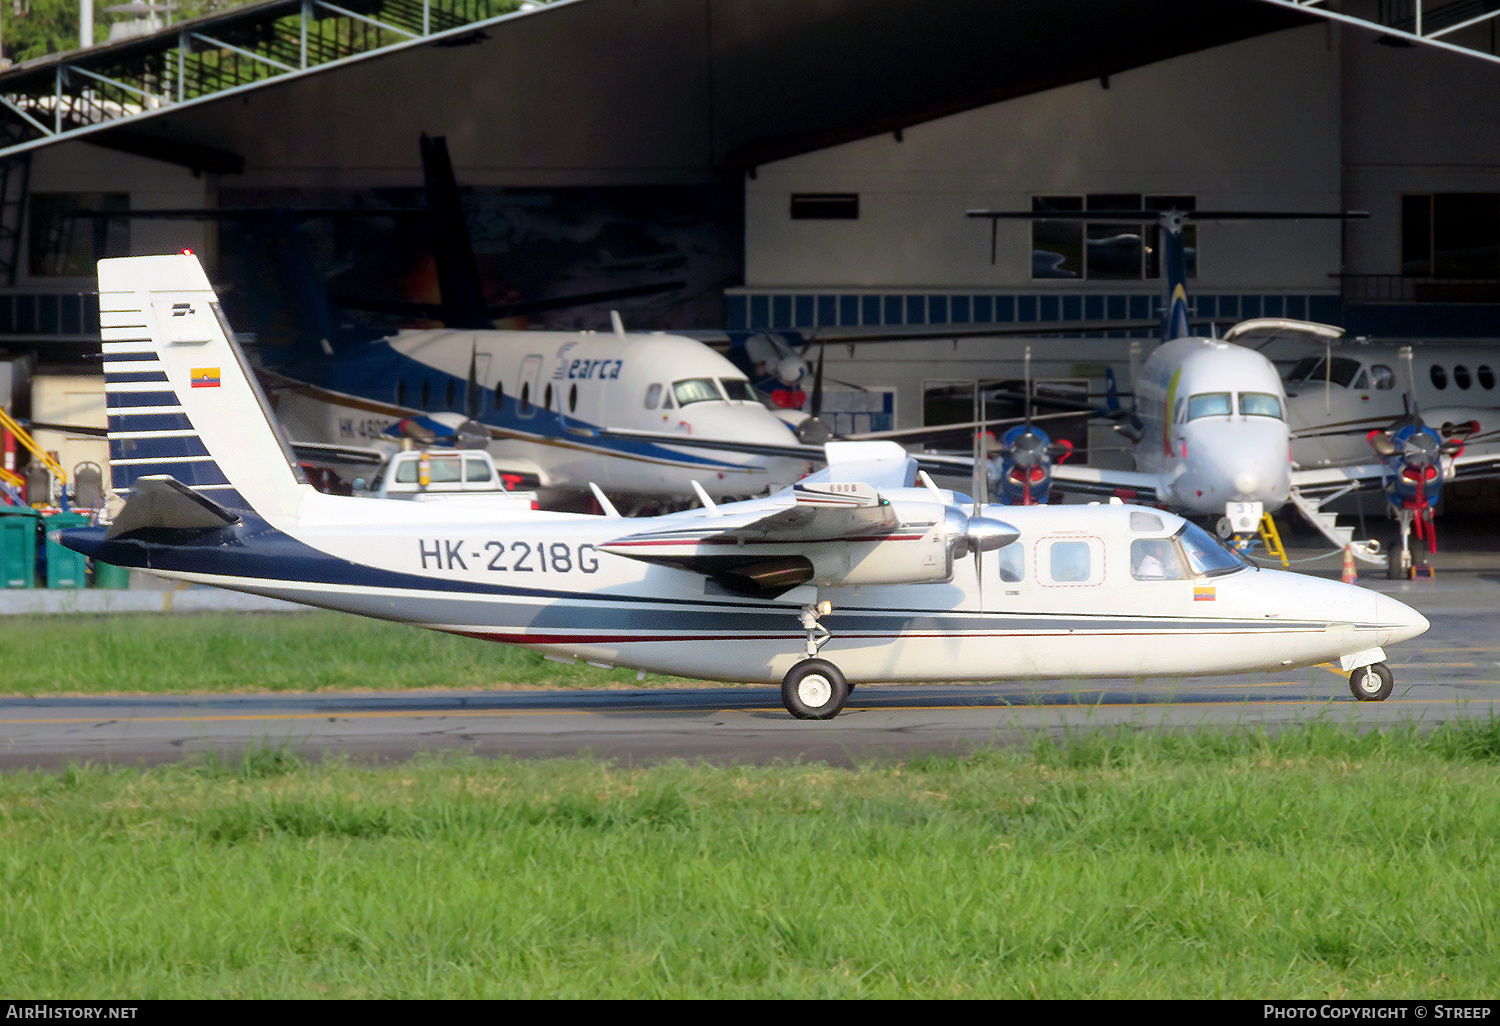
x,y
164,502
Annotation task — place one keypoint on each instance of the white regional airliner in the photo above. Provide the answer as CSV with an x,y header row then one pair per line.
x,y
856,573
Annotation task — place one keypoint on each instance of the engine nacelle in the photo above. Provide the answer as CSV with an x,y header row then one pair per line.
x,y
921,551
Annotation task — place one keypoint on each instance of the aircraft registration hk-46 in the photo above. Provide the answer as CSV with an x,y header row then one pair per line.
x,y
863,572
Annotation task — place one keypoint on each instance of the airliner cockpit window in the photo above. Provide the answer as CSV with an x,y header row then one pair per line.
x,y
1204,553
695,390
1208,404
1260,404
653,396
1383,378
738,390
1314,371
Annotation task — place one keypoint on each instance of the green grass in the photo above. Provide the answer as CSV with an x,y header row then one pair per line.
x,y
223,652
1315,863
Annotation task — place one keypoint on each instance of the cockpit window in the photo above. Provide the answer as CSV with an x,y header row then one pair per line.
x,y
738,389
695,390
1155,559
1382,377
1208,404
653,396
1313,370
1260,404
1144,521
1204,554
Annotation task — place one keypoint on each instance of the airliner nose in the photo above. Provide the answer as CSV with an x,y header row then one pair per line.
x,y
1246,482
1403,621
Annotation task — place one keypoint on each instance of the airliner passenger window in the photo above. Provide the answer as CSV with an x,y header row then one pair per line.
x,y
1012,563
653,396
1260,404
1439,377
1208,404
1070,561
1461,376
695,390
526,397
1486,377
573,399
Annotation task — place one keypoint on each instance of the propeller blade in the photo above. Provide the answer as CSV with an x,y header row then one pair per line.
x,y
816,406
1381,442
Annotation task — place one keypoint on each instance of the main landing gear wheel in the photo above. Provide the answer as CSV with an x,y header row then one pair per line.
x,y
1372,683
814,689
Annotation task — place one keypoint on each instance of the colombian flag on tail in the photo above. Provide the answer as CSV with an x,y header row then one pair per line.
x,y
205,377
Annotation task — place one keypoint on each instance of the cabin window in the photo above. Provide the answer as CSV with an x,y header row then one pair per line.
x,y
526,397
1382,377
1260,404
1205,555
1362,382
1486,377
547,398
738,389
1208,404
1461,376
1070,562
653,396
444,470
1144,521
572,398
449,394
499,397
426,394
1439,377
1155,559
400,391
1012,563
695,390
477,471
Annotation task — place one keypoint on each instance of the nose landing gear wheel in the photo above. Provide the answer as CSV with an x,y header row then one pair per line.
x,y
814,689
1372,683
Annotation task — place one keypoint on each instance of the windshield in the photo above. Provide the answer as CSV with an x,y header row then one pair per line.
x,y
1208,404
1204,553
1260,404
1313,369
695,390
738,389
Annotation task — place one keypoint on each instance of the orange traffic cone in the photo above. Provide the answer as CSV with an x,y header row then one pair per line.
x,y
1350,575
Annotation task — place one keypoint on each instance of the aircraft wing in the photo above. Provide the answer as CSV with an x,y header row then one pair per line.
x,y
933,464
1127,484
1323,481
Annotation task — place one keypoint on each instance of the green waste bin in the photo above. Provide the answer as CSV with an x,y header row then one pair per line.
x,y
18,546
107,575
65,568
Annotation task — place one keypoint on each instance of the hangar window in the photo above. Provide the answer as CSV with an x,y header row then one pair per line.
x,y
62,244
825,206
1451,235
1076,248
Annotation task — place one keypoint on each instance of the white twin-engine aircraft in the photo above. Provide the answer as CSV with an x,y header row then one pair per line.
x,y
863,572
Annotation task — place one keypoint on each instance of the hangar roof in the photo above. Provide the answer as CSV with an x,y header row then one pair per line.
x,y
658,90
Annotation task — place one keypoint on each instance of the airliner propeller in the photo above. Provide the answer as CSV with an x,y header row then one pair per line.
x,y
1413,455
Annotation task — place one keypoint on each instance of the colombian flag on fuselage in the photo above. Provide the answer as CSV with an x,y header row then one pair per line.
x,y
205,377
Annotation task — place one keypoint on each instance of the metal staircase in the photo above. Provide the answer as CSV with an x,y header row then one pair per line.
x,y
1367,551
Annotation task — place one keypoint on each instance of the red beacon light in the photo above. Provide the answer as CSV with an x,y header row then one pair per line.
x,y
187,252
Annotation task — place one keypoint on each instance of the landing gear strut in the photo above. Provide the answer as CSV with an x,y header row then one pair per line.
x,y
815,689
1372,683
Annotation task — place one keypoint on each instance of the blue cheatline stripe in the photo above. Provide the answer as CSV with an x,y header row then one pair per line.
x,y
149,422
125,400
118,377
190,474
156,448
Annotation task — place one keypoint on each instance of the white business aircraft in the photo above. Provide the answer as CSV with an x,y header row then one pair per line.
x,y
544,396
858,573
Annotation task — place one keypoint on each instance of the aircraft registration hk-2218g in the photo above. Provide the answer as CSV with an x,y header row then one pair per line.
x,y
863,572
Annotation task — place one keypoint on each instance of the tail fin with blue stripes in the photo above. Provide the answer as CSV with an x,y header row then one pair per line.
x,y
183,402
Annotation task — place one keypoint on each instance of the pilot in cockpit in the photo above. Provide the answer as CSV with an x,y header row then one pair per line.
x,y
1155,559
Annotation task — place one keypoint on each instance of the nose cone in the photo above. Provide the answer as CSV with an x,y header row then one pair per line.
x,y
1239,460
1404,621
